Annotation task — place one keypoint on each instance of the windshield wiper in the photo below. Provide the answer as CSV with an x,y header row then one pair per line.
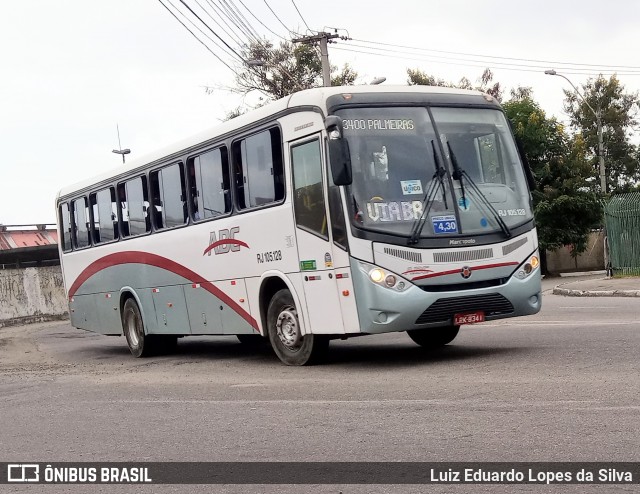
x,y
459,174
437,181
441,172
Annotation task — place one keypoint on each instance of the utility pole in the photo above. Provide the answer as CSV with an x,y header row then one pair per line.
x,y
323,38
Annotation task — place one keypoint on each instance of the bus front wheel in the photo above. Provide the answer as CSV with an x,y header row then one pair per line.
x,y
285,334
434,337
139,344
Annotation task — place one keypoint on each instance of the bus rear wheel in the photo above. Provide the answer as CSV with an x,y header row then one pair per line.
x,y
285,334
140,345
434,337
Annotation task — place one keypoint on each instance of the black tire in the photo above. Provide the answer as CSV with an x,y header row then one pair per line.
x,y
283,328
434,337
140,344
252,340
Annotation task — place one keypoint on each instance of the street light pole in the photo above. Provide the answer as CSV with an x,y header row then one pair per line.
x,y
120,151
598,115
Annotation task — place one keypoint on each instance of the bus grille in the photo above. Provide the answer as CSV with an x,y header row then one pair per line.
x,y
404,254
443,309
509,248
462,255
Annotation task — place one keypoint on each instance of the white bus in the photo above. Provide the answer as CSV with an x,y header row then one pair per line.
x,y
332,213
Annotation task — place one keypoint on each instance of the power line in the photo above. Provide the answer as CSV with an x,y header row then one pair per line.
x,y
231,34
298,10
610,67
263,24
199,40
251,34
243,18
276,16
479,63
214,33
216,43
509,64
218,11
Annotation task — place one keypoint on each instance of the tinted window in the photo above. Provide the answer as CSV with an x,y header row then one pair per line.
x,y
105,218
65,227
133,207
169,203
210,184
258,168
307,182
81,223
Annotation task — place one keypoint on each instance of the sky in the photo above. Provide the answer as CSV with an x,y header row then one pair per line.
x,y
72,71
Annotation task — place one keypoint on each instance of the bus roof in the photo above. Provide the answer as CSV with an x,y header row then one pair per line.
x,y
316,97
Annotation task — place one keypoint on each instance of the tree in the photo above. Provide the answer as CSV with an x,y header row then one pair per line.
x,y
619,110
280,71
565,206
417,77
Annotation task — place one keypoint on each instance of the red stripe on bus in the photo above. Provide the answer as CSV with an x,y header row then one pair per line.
x,y
224,241
456,271
137,257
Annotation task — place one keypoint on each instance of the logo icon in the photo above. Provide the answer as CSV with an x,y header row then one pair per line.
x,y
23,472
465,272
224,242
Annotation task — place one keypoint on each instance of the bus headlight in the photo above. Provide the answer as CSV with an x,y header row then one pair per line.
x,y
376,275
528,267
383,278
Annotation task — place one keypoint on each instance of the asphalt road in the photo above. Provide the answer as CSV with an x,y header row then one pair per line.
x,y
558,386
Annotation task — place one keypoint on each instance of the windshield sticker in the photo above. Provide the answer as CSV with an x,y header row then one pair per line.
x,y
410,187
394,211
512,212
464,203
484,223
379,124
444,224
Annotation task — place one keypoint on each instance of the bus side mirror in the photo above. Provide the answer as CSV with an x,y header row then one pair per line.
x,y
339,156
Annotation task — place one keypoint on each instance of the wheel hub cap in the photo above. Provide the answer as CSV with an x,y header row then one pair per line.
x,y
287,328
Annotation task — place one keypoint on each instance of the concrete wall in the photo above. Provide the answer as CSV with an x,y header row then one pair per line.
x,y
560,260
31,295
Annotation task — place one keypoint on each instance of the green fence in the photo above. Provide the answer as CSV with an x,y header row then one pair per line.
x,y
622,219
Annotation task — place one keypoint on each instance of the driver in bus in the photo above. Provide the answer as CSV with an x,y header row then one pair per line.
x,y
372,164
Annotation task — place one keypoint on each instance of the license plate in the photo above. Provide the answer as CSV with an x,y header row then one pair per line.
x,y
468,318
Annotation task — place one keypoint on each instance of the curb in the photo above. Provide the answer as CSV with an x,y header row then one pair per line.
x,y
566,292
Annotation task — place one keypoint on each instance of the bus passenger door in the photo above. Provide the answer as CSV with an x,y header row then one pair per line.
x,y
315,248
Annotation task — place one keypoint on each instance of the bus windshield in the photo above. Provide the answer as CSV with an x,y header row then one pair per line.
x,y
459,165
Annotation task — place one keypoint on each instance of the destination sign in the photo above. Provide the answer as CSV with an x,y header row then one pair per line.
x,y
393,124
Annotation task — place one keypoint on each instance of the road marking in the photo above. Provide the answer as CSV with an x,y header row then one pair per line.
x,y
521,323
588,405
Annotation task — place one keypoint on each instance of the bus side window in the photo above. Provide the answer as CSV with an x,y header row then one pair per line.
x,y
258,169
209,184
95,223
65,226
81,231
156,201
105,228
124,210
169,196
